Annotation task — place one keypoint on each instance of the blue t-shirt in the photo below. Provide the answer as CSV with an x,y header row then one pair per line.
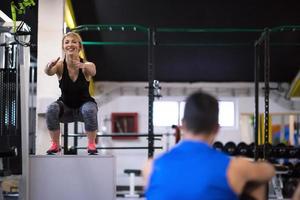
x,y
192,170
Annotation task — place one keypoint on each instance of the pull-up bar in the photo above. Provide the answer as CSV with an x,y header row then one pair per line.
x,y
139,28
208,30
135,27
111,27
229,30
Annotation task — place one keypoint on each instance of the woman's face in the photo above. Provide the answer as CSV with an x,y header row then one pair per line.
x,y
71,45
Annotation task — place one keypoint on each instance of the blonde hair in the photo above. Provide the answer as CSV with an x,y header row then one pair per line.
x,y
75,35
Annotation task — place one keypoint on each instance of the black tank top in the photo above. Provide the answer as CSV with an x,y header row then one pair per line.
x,y
74,93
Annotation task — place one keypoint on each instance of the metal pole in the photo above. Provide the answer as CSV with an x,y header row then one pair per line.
x,y
75,139
65,138
267,88
24,63
267,92
150,92
256,99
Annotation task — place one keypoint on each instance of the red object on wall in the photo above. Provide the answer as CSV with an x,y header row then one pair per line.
x,y
124,123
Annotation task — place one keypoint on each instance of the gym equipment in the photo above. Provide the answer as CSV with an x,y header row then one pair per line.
x,y
66,139
72,177
272,152
277,183
296,171
230,148
218,146
280,150
14,93
293,152
266,150
289,187
132,174
73,149
118,148
242,149
12,152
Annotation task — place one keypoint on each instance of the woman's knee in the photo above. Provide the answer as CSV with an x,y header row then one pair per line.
x,y
52,116
53,109
89,109
89,112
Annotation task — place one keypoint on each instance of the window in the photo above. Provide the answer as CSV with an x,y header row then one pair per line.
x,y
181,110
167,113
226,113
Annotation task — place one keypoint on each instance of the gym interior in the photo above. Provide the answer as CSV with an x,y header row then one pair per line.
x,y
149,56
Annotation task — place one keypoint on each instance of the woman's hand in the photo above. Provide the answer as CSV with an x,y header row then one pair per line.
x,y
53,63
79,65
89,68
50,68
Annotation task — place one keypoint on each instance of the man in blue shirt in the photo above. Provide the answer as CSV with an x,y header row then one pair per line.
x,y
193,170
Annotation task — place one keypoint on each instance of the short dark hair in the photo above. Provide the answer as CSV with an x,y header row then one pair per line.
x,y
201,113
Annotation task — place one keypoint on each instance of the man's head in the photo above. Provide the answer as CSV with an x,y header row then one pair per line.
x,y
201,114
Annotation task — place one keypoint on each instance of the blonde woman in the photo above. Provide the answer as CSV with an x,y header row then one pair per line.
x,y
75,103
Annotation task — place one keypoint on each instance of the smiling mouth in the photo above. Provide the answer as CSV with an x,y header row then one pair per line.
x,y
71,50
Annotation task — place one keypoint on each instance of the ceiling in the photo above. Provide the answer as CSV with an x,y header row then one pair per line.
x,y
213,62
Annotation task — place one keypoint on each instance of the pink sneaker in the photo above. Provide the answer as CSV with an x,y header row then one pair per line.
x,y
55,148
92,149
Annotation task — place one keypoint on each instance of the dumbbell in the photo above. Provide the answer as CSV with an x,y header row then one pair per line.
x,y
251,150
218,146
230,148
242,149
293,152
280,150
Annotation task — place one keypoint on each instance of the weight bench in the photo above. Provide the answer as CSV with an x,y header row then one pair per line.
x,y
132,174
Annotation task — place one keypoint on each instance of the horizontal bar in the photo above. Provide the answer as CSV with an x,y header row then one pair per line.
x,y
111,27
286,28
135,27
121,147
134,43
284,44
137,43
117,135
209,30
205,44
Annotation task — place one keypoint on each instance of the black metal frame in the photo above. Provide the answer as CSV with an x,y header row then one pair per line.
x,y
66,137
151,68
262,42
263,39
133,148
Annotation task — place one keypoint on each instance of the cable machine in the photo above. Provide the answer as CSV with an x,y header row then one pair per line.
x,y
14,83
